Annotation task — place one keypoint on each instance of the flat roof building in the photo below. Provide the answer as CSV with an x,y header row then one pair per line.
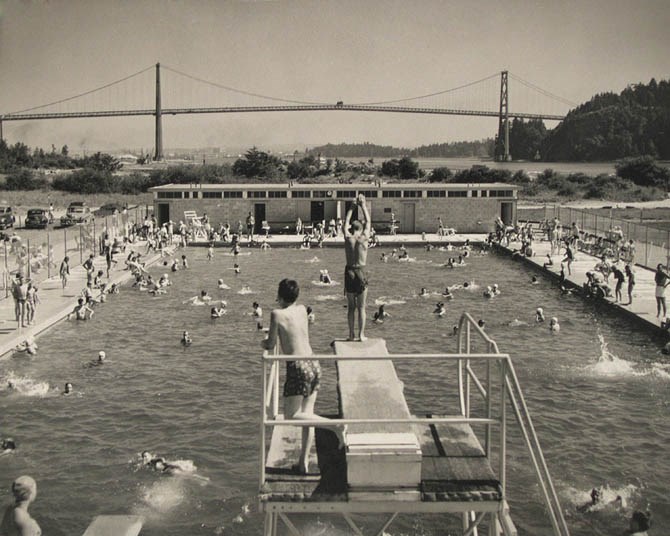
x,y
415,207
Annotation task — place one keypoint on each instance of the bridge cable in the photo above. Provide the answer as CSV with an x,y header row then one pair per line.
x,y
430,94
543,91
82,94
241,91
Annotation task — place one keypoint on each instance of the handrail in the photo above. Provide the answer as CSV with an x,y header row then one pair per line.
x,y
512,388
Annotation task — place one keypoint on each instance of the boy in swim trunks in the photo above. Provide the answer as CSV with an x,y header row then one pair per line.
x,y
289,325
356,237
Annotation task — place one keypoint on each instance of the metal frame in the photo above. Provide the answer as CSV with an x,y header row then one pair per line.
x,y
472,513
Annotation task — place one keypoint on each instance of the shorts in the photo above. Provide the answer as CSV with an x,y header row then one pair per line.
x,y
660,291
355,279
302,378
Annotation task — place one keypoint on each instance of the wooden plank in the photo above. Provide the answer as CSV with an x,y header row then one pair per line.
x,y
284,450
115,526
370,389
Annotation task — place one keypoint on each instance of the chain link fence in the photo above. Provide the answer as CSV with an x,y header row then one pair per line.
x,y
652,245
39,253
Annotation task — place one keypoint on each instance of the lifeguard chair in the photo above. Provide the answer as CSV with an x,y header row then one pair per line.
x,y
265,226
396,462
195,223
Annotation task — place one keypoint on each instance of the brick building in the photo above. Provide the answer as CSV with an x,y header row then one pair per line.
x,y
468,208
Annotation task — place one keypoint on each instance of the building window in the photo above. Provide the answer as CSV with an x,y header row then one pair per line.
x,y
437,193
322,193
346,194
388,210
277,194
457,193
474,193
392,193
369,193
300,193
232,194
169,195
501,193
212,195
186,195
412,193
257,195
484,193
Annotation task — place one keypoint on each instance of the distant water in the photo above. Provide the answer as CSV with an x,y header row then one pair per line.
x,y
598,392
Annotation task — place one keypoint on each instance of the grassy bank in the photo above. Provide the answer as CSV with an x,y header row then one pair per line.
x,y
23,200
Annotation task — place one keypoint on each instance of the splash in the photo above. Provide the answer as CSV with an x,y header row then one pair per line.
x,y
328,297
608,364
245,290
385,300
164,495
313,260
611,498
322,284
516,323
23,385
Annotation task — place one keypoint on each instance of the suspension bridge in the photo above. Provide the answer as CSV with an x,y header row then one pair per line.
x,y
133,96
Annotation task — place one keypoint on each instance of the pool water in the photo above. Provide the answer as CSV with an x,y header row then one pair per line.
x,y
598,392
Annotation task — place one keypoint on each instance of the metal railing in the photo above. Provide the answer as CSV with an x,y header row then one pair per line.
x,y
510,391
652,245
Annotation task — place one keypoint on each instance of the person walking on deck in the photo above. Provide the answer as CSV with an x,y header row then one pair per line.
x,y
662,281
630,275
356,235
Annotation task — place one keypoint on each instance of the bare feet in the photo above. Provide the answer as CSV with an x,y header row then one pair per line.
x,y
341,432
363,338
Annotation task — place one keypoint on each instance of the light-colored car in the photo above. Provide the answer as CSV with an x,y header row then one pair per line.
x,y
77,212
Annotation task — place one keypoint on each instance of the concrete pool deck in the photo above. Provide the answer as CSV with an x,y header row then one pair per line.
x,y
56,303
643,308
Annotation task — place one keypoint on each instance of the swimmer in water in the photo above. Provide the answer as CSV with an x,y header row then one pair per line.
x,y
257,312
447,294
210,251
81,311
68,390
222,285
381,315
218,312
384,258
203,299
534,281
29,346
184,261
158,463
326,278
236,267
311,317
554,326
488,293
440,310
640,523
539,315
424,292
7,446
495,289
174,266
454,331
186,339
481,323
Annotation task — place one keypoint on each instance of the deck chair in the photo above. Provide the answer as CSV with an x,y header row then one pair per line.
x,y
265,226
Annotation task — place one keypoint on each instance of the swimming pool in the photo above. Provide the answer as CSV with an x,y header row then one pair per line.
x,y
598,393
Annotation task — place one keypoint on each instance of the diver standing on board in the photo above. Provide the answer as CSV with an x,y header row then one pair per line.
x,y
356,237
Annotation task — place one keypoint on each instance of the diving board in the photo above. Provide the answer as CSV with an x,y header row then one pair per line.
x,y
115,526
379,455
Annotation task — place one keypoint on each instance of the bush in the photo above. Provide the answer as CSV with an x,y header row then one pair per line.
x,y
135,183
25,179
644,171
520,177
87,181
440,174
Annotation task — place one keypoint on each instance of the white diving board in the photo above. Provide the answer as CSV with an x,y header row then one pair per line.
x,y
379,455
120,525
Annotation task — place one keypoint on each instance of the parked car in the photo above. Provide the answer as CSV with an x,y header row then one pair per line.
x,y
7,218
77,212
108,209
37,218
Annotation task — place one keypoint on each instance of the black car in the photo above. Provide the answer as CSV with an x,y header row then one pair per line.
x,y
37,218
107,210
6,217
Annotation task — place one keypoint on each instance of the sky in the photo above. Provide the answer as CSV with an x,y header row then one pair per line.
x,y
317,51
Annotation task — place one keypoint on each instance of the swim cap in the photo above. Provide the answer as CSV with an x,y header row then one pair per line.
x,y
102,354
24,488
539,310
554,320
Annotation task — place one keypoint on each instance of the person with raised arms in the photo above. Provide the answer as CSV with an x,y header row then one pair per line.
x,y
356,235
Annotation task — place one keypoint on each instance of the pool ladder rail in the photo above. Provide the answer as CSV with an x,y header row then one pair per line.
x,y
479,499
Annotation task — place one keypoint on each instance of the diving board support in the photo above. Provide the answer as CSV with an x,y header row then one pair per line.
x,y
119,525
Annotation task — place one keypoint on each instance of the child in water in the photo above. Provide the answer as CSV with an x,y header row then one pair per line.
x,y
381,315
554,326
440,310
539,315
311,317
186,339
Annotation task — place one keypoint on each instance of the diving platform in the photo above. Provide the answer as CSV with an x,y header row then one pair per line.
x,y
395,462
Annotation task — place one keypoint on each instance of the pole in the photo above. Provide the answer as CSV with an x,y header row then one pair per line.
x,y
49,255
1,138
6,271
503,120
159,124
28,262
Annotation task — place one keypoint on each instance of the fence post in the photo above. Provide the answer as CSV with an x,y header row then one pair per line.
x,y
81,246
28,269
49,256
667,251
596,222
6,271
646,245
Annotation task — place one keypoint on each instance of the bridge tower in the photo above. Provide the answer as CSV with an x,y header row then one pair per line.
x,y
159,122
502,140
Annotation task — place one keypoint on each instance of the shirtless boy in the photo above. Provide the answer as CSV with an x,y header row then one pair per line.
x,y
356,236
289,326
17,520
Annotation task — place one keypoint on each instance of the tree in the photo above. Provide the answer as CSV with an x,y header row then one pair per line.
x,y
257,164
526,138
440,174
408,169
100,162
644,171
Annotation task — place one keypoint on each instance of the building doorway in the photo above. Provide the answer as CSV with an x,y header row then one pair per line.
x,y
259,217
407,224
163,213
507,213
317,212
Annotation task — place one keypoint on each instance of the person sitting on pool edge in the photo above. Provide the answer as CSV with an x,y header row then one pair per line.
x,y
289,327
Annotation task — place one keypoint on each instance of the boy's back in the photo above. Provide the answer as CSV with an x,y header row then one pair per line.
x,y
292,329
